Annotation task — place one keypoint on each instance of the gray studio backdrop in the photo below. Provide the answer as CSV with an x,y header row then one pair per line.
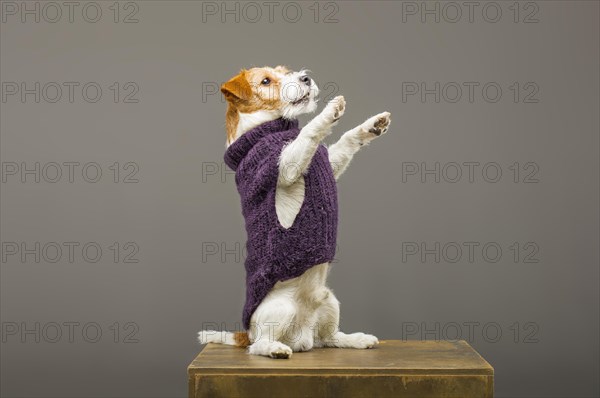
x,y
475,217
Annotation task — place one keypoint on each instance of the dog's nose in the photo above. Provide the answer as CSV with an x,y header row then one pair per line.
x,y
305,79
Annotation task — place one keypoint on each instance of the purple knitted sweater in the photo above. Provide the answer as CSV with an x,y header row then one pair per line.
x,y
275,253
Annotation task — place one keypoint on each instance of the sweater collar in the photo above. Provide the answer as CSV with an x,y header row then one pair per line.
x,y
240,147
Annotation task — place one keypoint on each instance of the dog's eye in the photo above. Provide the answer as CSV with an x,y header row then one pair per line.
x,y
266,81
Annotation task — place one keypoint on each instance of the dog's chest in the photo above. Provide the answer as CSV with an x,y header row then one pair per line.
x,y
288,201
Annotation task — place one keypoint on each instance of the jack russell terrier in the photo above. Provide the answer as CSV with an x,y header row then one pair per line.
x,y
287,183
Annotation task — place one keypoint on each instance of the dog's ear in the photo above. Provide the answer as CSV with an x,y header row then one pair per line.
x,y
237,88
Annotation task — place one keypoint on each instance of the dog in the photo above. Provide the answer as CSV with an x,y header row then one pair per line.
x,y
287,183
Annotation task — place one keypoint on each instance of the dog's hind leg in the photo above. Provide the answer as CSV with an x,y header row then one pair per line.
x,y
269,324
268,348
328,332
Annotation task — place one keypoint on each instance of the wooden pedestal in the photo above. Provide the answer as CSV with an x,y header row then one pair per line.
x,y
393,369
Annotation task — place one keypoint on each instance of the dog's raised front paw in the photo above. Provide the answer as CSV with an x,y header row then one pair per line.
x,y
373,128
381,123
334,109
377,124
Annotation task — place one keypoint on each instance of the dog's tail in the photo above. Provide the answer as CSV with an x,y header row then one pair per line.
x,y
238,339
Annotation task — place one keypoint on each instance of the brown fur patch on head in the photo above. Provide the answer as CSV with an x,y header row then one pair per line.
x,y
265,95
250,91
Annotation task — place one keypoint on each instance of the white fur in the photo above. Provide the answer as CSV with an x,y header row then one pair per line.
x,y
302,313
214,336
292,90
250,120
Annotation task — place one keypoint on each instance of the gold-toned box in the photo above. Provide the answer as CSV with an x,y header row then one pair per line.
x,y
394,368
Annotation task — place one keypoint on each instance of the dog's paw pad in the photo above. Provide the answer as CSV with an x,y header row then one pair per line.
x,y
373,128
380,124
280,351
335,108
339,109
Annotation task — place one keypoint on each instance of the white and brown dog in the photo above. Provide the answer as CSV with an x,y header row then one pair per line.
x,y
257,96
